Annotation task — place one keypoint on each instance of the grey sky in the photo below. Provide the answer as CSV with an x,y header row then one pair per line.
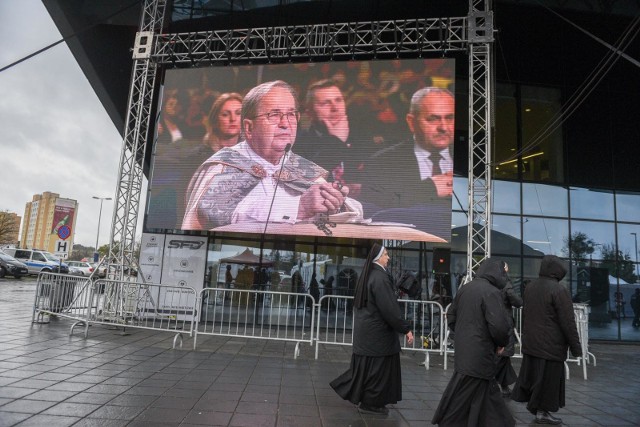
x,y
55,135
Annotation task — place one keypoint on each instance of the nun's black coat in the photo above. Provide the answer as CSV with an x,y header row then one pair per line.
x,y
377,325
480,322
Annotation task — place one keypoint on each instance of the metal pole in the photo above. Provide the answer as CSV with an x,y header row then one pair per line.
x,y
635,238
102,199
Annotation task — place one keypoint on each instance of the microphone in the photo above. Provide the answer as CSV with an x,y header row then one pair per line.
x,y
287,148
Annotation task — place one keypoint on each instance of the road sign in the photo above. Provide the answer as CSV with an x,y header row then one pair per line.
x,y
64,232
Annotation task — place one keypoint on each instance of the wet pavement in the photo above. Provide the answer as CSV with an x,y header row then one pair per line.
x,y
134,378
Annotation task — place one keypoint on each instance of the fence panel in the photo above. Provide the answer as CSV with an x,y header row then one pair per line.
x,y
145,306
427,323
62,295
260,314
334,324
581,313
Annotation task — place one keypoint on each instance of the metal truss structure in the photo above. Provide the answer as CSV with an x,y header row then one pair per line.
x,y
473,33
130,176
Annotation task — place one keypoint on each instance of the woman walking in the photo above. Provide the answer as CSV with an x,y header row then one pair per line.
x,y
373,379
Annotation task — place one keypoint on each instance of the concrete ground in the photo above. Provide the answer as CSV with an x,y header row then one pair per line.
x,y
112,379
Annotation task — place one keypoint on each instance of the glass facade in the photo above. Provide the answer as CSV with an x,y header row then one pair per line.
x,y
564,179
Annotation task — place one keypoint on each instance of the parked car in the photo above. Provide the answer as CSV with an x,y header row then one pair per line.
x,y
38,260
11,266
84,268
102,270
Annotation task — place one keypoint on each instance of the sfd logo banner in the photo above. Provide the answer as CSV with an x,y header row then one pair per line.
x,y
188,244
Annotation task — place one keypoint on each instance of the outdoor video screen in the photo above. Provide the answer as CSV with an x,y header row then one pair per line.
x,y
360,149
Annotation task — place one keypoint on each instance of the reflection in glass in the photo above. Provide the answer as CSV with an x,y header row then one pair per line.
x,y
506,197
546,235
506,133
459,232
591,204
505,237
460,199
544,160
543,199
628,206
628,241
588,238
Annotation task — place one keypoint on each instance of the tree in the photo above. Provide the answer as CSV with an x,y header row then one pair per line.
x,y
625,265
9,227
578,246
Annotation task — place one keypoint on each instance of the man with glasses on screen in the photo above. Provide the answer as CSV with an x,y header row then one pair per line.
x,y
239,183
419,172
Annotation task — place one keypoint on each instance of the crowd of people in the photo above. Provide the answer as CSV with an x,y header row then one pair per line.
x,y
377,149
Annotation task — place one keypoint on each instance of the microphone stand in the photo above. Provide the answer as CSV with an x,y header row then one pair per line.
x,y
287,148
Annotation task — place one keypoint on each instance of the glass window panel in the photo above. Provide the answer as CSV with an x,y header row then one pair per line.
x,y
546,200
591,204
505,236
628,207
545,235
628,240
459,232
588,238
460,200
544,160
506,133
506,197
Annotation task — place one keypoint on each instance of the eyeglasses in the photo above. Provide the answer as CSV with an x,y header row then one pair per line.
x,y
275,117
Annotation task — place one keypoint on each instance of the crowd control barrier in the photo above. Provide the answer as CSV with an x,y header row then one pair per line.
x,y
61,295
259,314
334,324
581,313
121,303
426,321
145,306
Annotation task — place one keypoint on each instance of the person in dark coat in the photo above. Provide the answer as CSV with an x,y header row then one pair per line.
x,y
505,374
548,330
481,325
373,379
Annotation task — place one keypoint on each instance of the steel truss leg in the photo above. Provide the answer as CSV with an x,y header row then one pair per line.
x,y
130,178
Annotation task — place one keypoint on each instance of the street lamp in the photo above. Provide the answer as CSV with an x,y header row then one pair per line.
x,y
635,238
102,199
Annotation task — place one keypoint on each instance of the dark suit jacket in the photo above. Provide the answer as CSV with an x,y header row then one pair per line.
x,y
393,191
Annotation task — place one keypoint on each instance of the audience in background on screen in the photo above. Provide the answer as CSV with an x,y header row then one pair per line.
x,y
223,122
234,185
171,123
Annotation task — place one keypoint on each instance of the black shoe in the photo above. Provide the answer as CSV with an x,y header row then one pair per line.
x,y
543,417
378,410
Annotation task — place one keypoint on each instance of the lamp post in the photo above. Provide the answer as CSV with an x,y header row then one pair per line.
x,y
635,238
102,199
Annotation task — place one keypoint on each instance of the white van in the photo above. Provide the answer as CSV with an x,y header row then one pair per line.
x,y
38,260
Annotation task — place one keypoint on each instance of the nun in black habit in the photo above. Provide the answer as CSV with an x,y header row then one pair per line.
x,y
373,379
481,325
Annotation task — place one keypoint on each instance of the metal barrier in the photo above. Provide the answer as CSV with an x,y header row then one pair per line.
x,y
426,319
447,336
62,295
517,329
581,313
257,314
145,306
335,321
335,324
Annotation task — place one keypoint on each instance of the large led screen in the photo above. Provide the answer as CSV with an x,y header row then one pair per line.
x,y
360,149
